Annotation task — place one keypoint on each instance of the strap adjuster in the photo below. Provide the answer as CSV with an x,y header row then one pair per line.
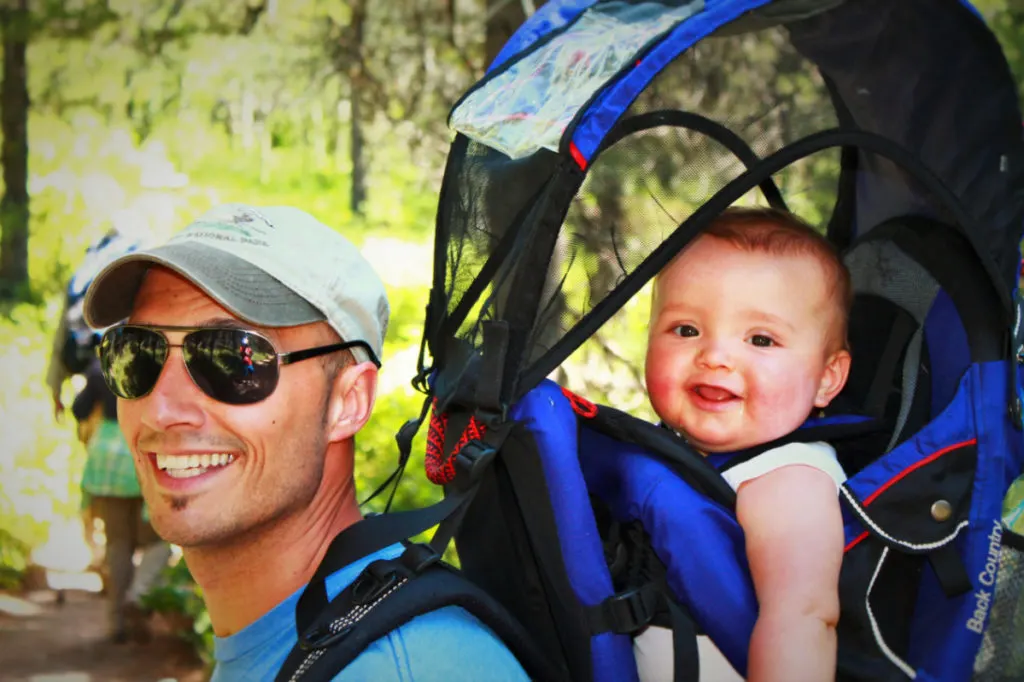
x,y
626,612
472,460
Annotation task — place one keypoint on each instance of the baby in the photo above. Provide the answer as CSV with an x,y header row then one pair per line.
x,y
747,339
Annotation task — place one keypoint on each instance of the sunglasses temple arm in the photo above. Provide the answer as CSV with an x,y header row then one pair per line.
x,y
299,355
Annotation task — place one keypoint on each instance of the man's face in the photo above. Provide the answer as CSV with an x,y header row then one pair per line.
x,y
258,464
738,348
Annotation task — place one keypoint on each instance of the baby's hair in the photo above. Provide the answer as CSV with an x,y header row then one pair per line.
x,y
780,233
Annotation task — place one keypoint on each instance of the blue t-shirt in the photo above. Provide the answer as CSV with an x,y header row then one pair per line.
x,y
447,644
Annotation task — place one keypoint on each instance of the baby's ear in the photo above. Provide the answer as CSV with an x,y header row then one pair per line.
x,y
833,378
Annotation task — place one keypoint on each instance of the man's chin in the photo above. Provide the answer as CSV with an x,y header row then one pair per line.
x,y
178,522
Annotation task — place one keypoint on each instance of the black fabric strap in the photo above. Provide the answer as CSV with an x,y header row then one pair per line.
x,y
471,462
489,390
686,659
949,569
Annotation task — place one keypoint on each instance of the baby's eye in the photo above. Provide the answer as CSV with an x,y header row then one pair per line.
x,y
687,330
762,341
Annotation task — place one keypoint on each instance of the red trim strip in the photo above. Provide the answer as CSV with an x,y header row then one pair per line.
x,y
888,484
927,460
577,156
855,541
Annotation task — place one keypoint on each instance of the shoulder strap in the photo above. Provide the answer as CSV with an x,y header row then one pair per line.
x,y
367,610
830,430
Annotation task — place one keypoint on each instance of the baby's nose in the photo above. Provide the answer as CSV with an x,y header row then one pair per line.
x,y
715,354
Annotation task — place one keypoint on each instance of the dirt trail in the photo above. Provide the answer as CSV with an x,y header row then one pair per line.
x,y
42,640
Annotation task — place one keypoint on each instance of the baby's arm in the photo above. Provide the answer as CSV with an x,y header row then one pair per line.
x,y
794,540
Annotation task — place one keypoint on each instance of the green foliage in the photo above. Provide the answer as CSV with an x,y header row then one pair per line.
x,y
147,113
180,600
14,557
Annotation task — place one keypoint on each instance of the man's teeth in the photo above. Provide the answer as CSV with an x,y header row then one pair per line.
x,y
187,466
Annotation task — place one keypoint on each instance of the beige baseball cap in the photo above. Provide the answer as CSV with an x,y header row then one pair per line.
x,y
273,266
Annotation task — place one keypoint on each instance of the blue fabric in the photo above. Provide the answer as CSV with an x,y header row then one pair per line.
x,y
609,105
971,7
835,420
947,632
447,644
699,541
950,355
546,412
550,17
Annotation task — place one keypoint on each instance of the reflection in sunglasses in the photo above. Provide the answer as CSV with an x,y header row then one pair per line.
x,y
230,365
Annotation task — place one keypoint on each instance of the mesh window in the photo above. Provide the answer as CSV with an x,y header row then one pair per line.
x,y
522,241
640,189
1001,657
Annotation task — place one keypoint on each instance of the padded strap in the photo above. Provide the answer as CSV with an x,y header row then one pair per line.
x,y
390,593
366,537
844,427
903,328
911,365
669,448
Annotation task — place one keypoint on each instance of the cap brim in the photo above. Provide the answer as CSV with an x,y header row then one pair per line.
x,y
239,286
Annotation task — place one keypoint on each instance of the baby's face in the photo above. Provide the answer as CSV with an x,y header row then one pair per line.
x,y
738,347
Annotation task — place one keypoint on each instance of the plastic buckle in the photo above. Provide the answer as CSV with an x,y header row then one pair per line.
x,y
374,582
632,610
406,434
419,556
472,461
322,637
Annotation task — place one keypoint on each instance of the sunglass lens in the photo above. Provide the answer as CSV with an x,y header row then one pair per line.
x,y
231,365
131,359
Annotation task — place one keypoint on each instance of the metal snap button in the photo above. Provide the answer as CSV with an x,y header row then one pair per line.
x,y
942,510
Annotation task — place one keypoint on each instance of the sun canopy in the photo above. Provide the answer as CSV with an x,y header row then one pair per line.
x,y
608,133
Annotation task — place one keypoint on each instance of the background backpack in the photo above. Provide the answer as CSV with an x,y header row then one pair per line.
x,y
80,340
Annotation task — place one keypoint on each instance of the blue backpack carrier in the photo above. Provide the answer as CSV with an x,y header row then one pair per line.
x,y
608,134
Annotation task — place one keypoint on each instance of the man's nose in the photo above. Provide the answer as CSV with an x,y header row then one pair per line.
x,y
175,399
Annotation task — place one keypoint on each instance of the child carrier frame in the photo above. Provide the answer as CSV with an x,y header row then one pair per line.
x,y
587,524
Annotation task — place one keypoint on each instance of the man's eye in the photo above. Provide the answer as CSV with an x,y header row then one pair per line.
x,y
686,330
762,341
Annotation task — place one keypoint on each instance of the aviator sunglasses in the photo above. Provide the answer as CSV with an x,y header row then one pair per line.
x,y
231,365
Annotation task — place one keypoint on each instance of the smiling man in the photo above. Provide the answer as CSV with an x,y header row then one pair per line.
x,y
246,367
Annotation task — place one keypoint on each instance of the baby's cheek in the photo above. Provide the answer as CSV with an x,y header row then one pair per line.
x,y
660,390
785,405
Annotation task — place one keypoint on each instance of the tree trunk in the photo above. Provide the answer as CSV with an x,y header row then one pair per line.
x,y
357,150
14,210
357,146
503,18
317,135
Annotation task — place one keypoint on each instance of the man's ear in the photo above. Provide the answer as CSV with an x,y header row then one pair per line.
x,y
351,401
833,378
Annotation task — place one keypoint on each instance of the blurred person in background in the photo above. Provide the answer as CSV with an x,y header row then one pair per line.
x,y
110,488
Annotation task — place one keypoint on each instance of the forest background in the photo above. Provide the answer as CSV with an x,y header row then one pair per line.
x,y
141,114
